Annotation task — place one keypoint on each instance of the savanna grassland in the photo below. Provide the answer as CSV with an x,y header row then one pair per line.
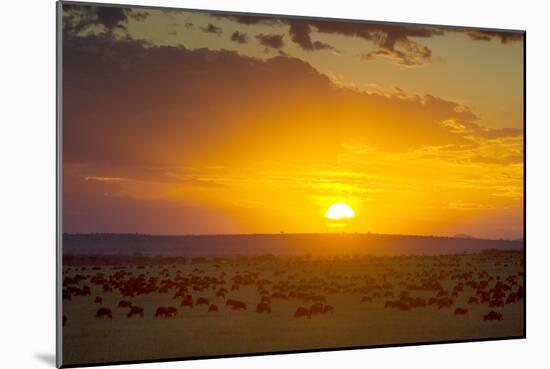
x,y
146,307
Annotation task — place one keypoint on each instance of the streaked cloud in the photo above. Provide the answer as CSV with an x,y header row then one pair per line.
x,y
271,41
212,29
239,37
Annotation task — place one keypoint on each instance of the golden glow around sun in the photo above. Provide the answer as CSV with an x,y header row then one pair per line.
x,y
340,211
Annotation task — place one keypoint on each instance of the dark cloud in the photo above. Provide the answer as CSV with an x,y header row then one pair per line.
x,y
127,104
137,15
81,18
112,87
385,35
115,174
410,55
212,29
250,19
391,41
112,17
239,37
90,205
271,41
503,36
300,34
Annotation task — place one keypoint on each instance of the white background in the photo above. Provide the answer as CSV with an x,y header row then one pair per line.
x,y
27,180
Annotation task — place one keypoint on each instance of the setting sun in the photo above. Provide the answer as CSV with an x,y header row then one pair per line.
x,y
340,211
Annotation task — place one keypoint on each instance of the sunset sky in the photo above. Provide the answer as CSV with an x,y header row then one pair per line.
x,y
181,122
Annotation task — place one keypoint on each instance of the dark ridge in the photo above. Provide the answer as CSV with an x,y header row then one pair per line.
x,y
276,244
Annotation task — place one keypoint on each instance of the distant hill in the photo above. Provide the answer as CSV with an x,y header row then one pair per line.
x,y
463,235
277,244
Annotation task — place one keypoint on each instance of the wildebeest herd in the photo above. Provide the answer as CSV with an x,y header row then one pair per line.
x,y
158,308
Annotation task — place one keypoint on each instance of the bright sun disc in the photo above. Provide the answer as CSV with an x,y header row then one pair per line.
x,y
340,211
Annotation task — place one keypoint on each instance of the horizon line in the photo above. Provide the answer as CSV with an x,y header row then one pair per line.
x,y
457,236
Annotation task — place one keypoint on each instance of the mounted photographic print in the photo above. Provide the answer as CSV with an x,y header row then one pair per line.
x,y
236,184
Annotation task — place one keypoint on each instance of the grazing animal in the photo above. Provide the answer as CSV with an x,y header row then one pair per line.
x,y
302,311
135,310
230,302
492,315
235,304
263,308
416,302
461,311
85,291
328,309
172,311
398,304
444,303
213,308
498,294
124,304
511,299
403,305
239,305
316,308
98,300
104,313
442,293
166,312
180,293
187,302
473,300
485,296
202,301
127,294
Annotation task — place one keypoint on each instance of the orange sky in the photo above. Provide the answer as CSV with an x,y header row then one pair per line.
x,y
191,123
